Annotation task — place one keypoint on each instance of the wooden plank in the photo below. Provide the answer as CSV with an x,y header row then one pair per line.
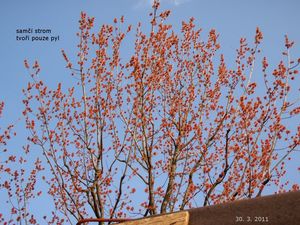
x,y
178,218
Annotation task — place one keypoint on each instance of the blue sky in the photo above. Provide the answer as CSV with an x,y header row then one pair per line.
x,y
231,18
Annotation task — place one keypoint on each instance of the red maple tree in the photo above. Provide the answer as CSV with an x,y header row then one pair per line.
x,y
166,128
17,178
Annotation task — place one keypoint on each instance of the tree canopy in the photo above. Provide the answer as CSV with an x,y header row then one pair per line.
x,y
165,127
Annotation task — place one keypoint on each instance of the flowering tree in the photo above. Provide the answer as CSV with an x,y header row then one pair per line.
x,y
17,179
167,128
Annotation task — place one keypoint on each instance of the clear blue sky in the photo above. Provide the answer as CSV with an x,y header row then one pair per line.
x,y
231,18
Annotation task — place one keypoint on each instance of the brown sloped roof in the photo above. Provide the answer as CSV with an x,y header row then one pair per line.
x,y
280,209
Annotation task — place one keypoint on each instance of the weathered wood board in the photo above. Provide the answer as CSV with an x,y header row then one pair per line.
x,y
179,218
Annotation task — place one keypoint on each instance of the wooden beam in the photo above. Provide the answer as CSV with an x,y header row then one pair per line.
x,y
178,218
